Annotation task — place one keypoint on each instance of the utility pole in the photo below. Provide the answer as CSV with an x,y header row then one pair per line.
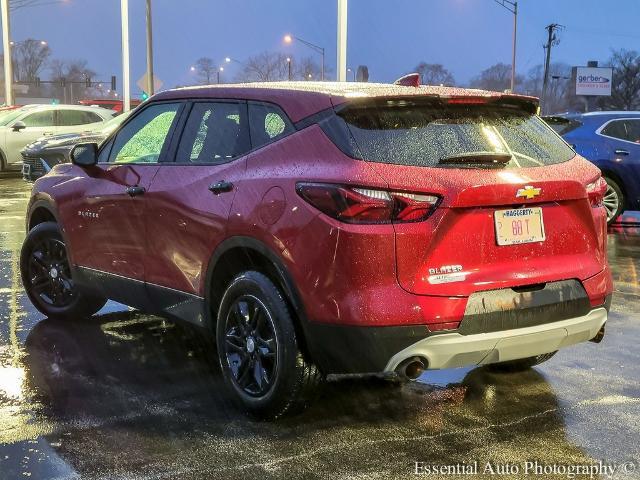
x,y
150,80
551,40
126,87
8,59
342,43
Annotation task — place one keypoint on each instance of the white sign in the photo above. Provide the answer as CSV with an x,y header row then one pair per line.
x,y
593,80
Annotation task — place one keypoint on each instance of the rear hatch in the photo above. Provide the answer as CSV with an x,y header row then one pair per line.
x,y
514,210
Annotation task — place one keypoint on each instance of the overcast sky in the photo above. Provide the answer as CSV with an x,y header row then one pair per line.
x,y
390,36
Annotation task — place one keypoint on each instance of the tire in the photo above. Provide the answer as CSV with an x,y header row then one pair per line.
x,y
613,200
257,341
46,276
521,364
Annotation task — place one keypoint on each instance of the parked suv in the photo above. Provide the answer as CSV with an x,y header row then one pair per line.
x,y
26,124
611,140
319,228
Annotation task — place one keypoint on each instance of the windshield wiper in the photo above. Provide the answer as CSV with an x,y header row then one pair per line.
x,y
495,159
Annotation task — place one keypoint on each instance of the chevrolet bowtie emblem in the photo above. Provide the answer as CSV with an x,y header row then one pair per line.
x,y
528,192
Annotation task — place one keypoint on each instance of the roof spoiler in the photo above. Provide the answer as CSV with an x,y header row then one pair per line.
x,y
410,80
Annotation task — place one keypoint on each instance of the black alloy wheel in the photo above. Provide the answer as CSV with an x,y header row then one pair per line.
x,y
251,345
49,274
47,279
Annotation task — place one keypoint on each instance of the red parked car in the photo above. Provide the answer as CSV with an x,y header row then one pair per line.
x,y
319,228
109,104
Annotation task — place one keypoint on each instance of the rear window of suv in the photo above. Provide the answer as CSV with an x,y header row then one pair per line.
x,y
422,134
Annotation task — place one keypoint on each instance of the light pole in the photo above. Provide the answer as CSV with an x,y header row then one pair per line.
x,y
512,6
289,66
126,89
317,48
8,68
150,82
341,41
221,69
350,70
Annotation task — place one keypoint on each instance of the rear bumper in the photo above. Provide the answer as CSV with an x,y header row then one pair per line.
x,y
451,350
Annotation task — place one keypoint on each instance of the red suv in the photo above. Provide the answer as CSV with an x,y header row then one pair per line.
x,y
319,228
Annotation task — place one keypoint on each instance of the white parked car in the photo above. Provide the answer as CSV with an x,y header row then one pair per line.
x,y
26,124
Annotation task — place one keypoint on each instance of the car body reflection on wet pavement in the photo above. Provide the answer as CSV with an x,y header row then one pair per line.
x,y
129,395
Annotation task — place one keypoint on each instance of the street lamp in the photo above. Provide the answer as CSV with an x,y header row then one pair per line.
x,y
290,38
512,6
350,70
221,69
289,66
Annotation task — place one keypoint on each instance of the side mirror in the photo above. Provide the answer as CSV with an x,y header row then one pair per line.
x,y
19,125
85,154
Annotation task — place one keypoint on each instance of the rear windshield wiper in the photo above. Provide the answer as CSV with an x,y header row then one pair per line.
x,y
478,158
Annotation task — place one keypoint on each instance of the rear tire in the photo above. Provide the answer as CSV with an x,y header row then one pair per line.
x,y
613,200
521,364
46,276
259,351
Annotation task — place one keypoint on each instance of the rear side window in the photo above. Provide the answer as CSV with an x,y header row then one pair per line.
x,y
68,118
423,134
268,124
216,132
628,130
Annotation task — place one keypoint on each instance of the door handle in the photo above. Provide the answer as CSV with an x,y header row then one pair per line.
x,y
619,151
135,190
221,187
47,134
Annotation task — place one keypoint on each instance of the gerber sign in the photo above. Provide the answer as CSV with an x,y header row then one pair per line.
x,y
593,80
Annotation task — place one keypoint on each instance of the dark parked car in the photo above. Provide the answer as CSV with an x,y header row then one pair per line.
x,y
320,228
45,153
611,140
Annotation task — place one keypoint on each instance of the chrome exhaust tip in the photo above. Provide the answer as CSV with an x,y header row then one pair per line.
x,y
411,368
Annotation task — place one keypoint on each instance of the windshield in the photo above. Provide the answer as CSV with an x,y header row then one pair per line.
x,y
423,135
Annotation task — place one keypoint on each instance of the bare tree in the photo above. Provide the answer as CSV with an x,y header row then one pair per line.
x,y
434,74
265,67
307,69
70,71
29,57
497,77
559,97
206,69
625,88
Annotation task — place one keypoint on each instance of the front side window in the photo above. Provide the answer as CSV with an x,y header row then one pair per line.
x,y
214,133
143,138
39,119
68,118
268,123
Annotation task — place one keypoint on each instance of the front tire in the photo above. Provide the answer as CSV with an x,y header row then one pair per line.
x,y
613,200
259,351
46,276
521,364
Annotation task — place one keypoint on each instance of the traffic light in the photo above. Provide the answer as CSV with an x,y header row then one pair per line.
x,y
113,83
63,82
87,82
144,96
37,81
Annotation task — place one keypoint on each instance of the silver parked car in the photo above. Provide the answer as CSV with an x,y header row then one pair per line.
x,y
24,125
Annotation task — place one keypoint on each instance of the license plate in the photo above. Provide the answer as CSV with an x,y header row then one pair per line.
x,y
26,169
521,225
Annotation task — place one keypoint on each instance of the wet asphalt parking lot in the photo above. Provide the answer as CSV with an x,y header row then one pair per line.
x,y
124,395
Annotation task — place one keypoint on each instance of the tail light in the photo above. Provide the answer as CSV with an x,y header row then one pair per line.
x,y
596,191
367,205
